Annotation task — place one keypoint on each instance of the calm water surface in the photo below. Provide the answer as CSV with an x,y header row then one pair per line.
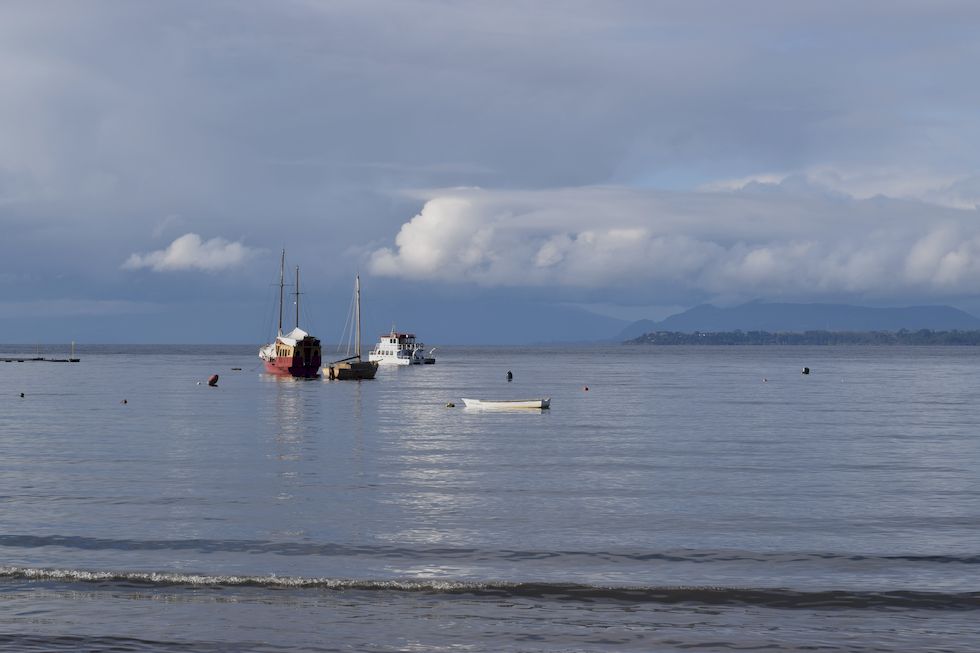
x,y
691,499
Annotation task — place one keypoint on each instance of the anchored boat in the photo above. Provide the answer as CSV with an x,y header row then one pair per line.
x,y
353,368
400,349
507,404
296,353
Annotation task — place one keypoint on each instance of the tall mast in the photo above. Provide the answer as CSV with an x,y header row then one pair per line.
x,y
282,269
357,315
297,296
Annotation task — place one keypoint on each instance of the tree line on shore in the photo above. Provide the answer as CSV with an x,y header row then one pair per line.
x,y
738,337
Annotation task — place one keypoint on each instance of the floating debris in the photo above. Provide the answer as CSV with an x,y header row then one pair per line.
x,y
213,381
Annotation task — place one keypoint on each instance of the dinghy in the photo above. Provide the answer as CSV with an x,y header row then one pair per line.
x,y
506,404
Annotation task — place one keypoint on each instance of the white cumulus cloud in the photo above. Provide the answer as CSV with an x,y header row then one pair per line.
x,y
189,252
767,239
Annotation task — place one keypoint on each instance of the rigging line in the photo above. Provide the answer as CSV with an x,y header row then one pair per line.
x,y
350,333
306,315
272,307
348,327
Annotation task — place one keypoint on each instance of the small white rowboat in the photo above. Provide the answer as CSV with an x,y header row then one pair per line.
x,y
507,404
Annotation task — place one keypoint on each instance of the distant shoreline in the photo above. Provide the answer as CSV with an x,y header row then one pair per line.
x,y
885,338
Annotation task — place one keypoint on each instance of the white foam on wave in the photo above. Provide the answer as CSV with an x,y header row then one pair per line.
x,y
771,597
208,580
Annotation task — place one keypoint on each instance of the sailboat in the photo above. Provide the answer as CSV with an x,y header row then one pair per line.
x,y
296,353
353,368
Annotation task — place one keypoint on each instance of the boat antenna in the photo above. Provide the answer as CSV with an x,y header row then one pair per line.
x,y
282,269
297,296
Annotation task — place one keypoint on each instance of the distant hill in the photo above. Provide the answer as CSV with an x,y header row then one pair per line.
x,y
486,321
901,337
783,317
636,329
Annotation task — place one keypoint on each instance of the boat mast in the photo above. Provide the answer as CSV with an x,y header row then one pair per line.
x,y
357,315
297,296
282,269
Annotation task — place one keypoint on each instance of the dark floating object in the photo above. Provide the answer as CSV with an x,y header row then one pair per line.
x,y
22,394
450,405
236,369
124,402
585,389
510,376
806,370
213,381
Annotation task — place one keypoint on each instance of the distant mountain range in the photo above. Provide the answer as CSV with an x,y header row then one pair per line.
x,y
776,317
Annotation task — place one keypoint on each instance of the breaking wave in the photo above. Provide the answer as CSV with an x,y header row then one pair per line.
x,y
778,598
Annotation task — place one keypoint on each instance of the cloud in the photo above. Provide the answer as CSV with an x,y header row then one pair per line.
x,y
954,191
764,240
320,114
189,252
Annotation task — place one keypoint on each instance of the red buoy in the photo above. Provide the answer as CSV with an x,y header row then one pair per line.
x,y
213,381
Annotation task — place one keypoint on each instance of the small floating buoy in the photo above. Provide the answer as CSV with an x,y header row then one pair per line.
x,y
22,395
450,405
806,370
510,376
765,380
585,389
213,381
124,402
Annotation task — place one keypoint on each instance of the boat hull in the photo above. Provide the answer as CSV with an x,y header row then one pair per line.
x,y
350,371
391,360
295,367
507,404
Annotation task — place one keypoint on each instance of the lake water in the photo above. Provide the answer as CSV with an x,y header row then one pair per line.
x,y
681,503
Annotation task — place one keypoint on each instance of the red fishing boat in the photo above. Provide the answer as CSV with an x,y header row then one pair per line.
x,y
296,353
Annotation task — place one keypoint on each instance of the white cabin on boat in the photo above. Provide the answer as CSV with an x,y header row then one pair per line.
x,y
397,348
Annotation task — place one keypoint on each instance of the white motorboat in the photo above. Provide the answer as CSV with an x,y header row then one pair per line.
x,y
507,404
400,349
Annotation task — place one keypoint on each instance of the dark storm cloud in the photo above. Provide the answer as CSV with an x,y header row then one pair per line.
x,y
311,125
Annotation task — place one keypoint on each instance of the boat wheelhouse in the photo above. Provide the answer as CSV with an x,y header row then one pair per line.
x,y
397,348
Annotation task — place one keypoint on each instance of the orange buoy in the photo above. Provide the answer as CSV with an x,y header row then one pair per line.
x,y
213,381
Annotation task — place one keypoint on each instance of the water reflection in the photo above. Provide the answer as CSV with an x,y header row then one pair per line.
x,y
432,457
294,413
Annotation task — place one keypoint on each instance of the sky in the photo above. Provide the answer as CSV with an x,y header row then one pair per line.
x,y
495,171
